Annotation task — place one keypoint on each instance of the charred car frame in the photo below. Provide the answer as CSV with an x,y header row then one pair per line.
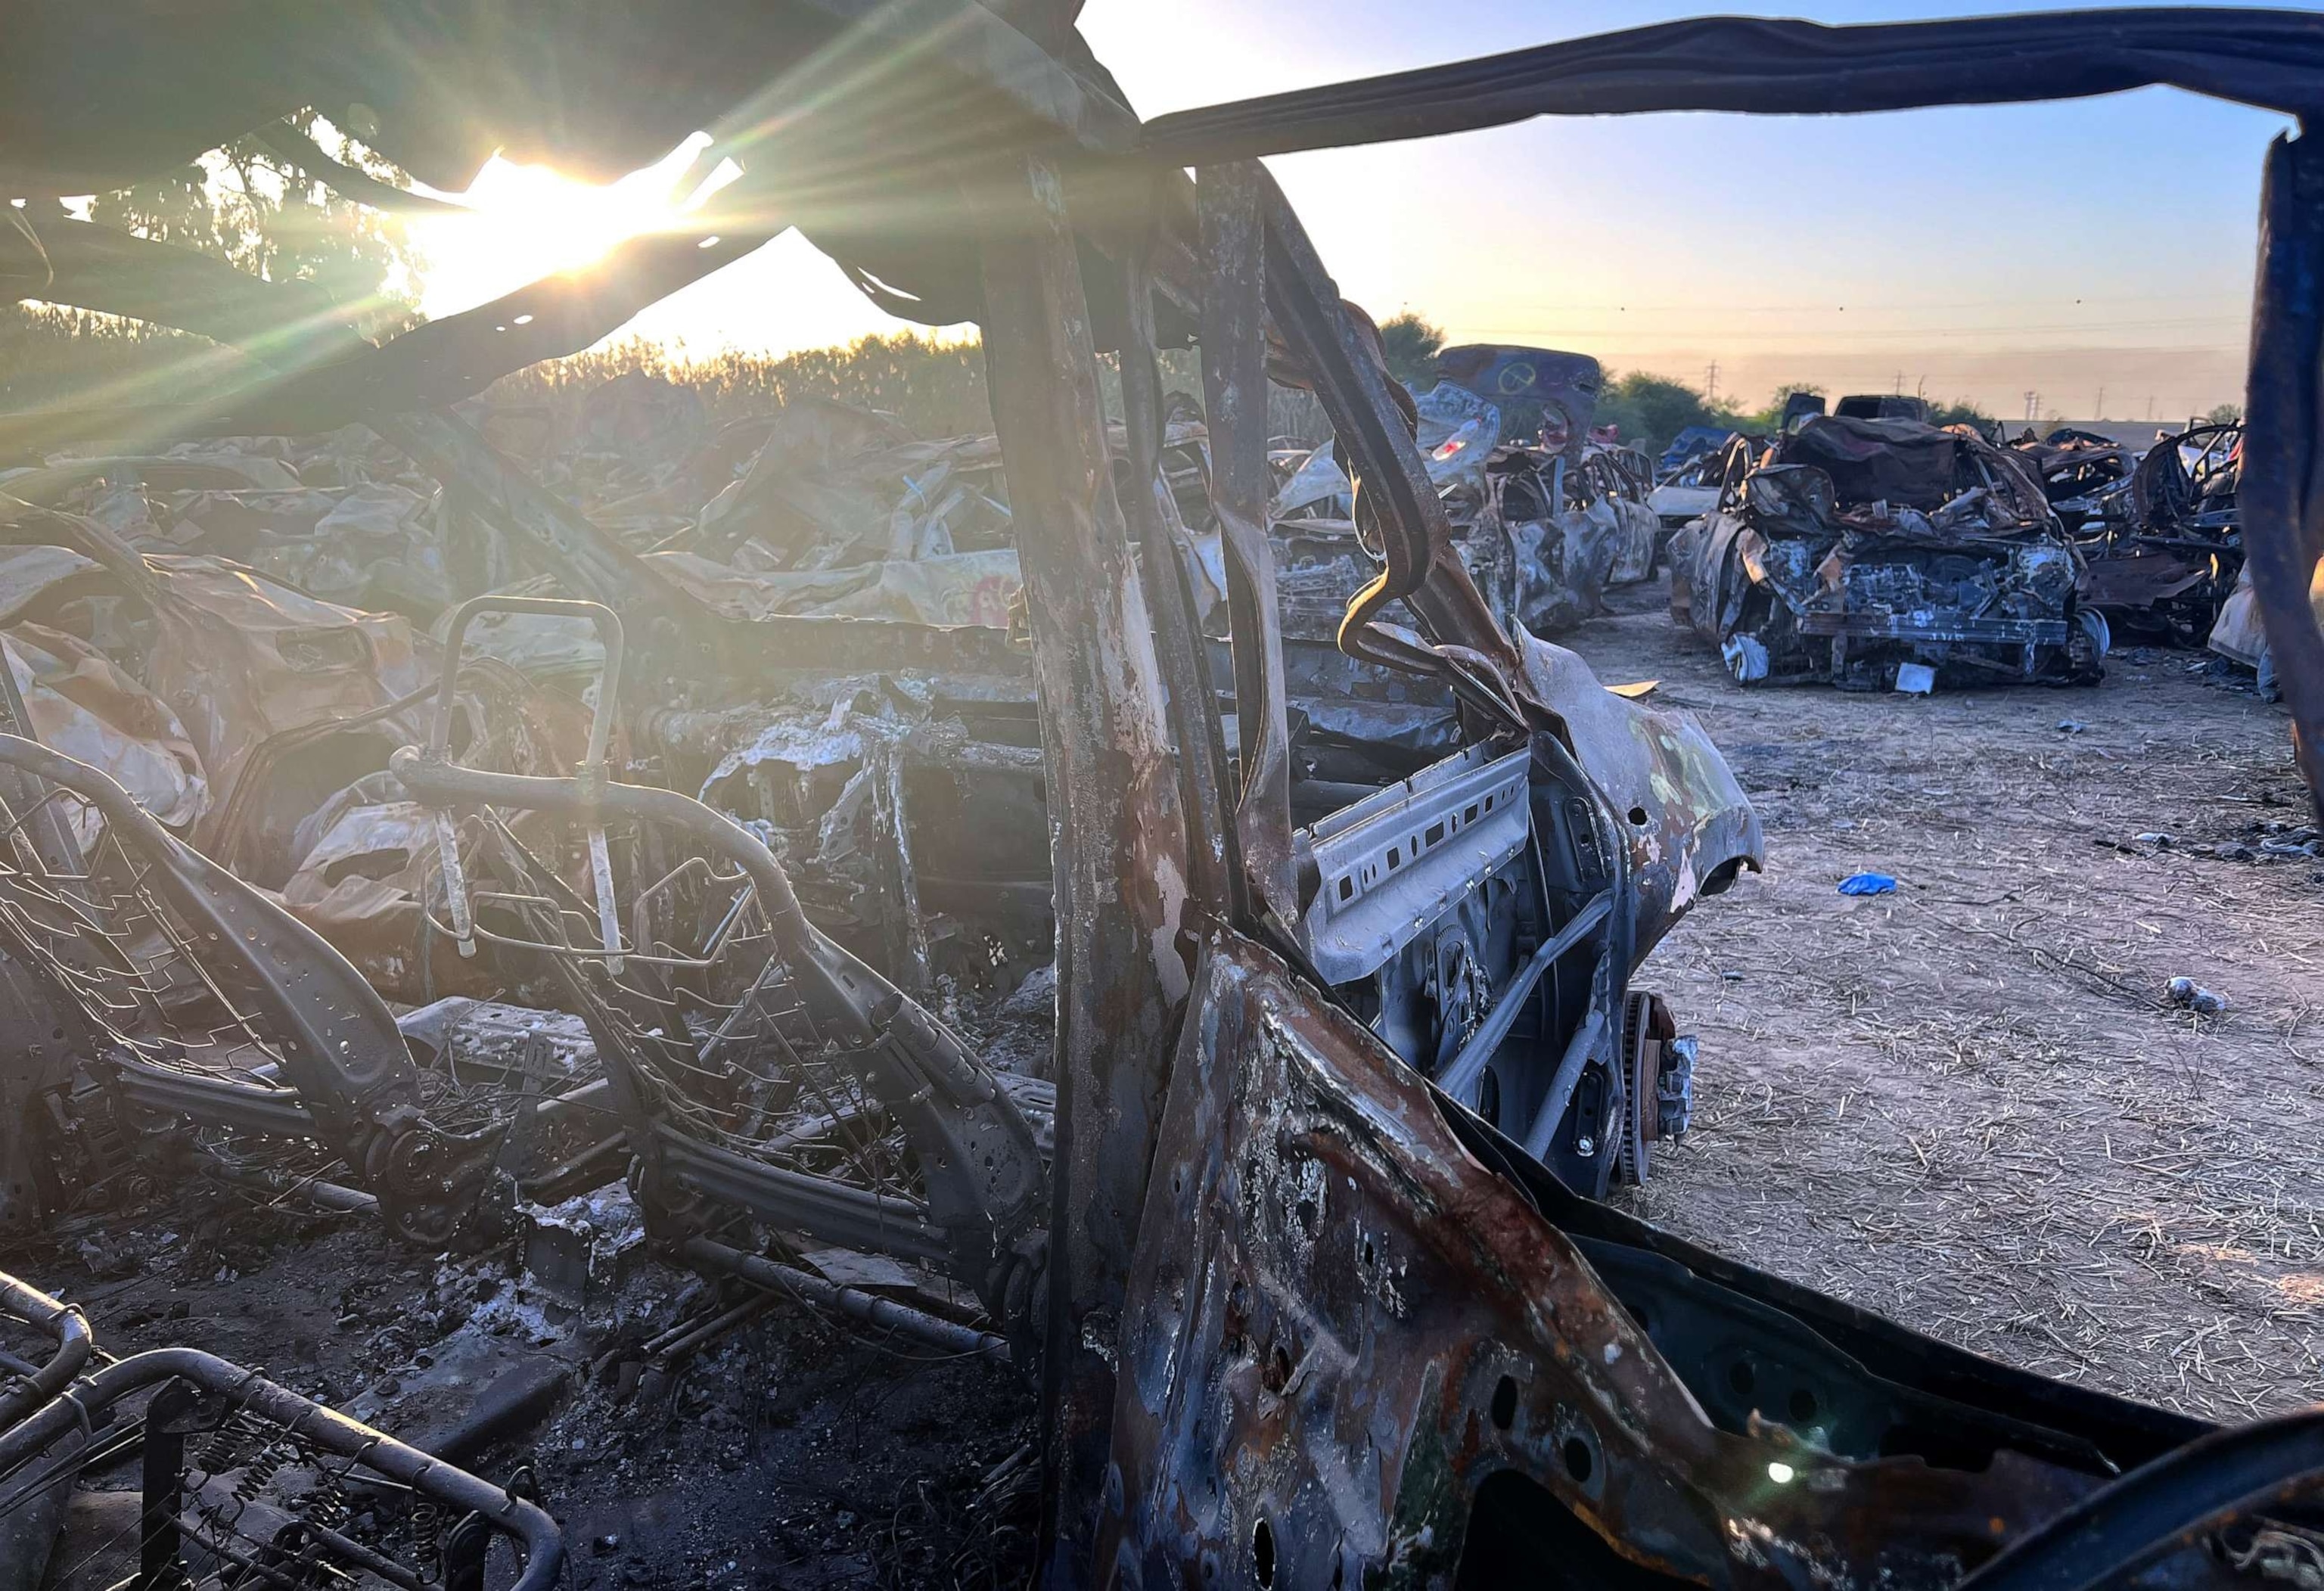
x,y
1307,1315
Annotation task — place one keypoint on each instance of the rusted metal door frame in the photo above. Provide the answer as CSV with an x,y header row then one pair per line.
x,y
1230,201
1121,872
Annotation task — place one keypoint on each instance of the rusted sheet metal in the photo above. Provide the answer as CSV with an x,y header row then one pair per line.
x,y
1169,561
82,703
1119,838
1346,1329
2274,58
225,470
241,658
365,881
2141,583
962,589
1229,203
552,533
2282,510
839,484
32,578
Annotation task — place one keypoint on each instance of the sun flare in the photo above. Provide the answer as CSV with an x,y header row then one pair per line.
x,y
526,222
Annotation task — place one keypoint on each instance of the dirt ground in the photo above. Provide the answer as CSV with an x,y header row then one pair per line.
x,y
1969,1104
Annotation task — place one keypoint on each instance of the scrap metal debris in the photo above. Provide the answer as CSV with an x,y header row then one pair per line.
x,y
1330,879
242,1482
1545,515
2161,539
2079,470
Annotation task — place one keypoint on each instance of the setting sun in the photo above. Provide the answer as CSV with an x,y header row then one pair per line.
x,y
526,222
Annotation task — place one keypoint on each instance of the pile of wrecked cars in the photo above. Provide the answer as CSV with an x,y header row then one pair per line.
x,y
1686,483
2161,536
1295,1221
1545,515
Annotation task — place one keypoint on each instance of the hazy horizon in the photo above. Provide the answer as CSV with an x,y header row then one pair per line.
x,y
2075,250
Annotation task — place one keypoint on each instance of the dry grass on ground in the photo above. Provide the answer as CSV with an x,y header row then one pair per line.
x,y
1969,1105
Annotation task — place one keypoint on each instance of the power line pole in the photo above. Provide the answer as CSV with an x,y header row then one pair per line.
x,y
1710,384
2099,413
1900,384
2033,407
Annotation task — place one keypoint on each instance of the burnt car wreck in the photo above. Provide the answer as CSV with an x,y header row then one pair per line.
x,y
1885,553
2158,531
1545,517
1295,1219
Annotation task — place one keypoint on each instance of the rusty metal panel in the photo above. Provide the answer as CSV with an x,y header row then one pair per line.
x,y
2274,58
1229,206
1179,641
1120,843
2282,510
1360,1356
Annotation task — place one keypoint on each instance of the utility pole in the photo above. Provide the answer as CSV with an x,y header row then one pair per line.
x,y
2033,407
1710,384
1920,389
2099,413
1900,384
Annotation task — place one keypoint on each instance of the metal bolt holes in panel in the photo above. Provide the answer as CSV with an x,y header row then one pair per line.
x,y
1394,863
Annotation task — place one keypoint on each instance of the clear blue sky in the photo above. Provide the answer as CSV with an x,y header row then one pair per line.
x,y
2062,248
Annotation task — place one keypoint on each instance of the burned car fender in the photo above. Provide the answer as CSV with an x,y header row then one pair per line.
x,y
1714,563
1691,828
1345,1330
